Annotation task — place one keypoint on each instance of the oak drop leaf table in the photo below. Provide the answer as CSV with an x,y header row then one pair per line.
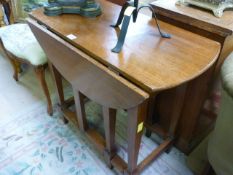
x,y
129,80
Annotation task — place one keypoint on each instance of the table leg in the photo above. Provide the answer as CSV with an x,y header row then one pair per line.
x,y
151,116
109,116
136,118
58,83
80,110
176,110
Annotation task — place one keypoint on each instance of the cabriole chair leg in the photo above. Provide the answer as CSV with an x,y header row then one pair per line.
x,y
40,73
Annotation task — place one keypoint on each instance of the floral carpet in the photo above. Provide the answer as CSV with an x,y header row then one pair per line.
x,y
32,143
36,144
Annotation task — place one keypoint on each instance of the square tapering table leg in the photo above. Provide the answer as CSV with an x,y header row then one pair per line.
x,y
80,110
109,116
58,83
136,119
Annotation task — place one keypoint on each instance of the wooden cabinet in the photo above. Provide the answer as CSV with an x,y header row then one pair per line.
x,y
193,126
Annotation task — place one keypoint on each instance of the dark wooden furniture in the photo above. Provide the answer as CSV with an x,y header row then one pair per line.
x,y
191,126
130,80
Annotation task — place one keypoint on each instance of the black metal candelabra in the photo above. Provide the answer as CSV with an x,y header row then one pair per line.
x,y
132,8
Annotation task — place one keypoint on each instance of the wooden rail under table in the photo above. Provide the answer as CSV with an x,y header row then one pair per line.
x,y
130,80
111,91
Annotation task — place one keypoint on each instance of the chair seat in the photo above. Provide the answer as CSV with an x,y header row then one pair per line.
x,y
227,75
20,41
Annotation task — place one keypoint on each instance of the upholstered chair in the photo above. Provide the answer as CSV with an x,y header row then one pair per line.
x,y
20,46
220,146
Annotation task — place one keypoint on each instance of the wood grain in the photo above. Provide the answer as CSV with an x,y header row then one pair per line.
x,y
199,21
86,75
147,64
151,62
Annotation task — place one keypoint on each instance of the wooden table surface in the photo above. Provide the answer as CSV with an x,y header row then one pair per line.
x,y
198,17
147,60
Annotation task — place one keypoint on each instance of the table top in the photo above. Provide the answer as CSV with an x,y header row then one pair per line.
x,y
197,17
149,61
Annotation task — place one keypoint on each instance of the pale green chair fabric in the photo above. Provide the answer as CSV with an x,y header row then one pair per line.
x,y
220,146
20,41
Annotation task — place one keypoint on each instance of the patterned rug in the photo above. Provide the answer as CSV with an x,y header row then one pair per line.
x,y
32,143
